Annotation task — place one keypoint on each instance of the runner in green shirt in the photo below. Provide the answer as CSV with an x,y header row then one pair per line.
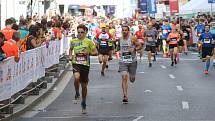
x,y
80,50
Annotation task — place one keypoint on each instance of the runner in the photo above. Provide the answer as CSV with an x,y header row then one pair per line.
x,y
166,29
80,50
173,39
128,60
111,30
199,29
206,39
102,43
150,37
139,35
186,35
212,30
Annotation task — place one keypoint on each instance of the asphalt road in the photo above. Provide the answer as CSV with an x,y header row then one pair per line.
x,y
160,93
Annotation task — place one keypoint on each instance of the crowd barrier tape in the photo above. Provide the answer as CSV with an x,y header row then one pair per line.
x,y
14,76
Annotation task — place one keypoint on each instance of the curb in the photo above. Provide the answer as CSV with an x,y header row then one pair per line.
x,y
36,101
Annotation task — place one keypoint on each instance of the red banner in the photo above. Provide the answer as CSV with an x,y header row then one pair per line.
x,y
173,5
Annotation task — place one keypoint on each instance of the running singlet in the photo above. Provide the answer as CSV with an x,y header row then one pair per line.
x,y
165,31
79,47
139,35
103,39
206,39
174,38
199,29
125,55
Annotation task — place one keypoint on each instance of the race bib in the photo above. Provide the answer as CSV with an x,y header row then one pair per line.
x,y
185,34
81,58
207,41
150,38
103,43
126,57
165,31
173,39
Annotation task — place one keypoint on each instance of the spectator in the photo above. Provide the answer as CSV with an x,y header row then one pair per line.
x,y
9,48
33,40
23,30
8,31
16,40
57,30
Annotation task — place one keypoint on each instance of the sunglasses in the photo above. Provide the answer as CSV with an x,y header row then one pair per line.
x,y
81,32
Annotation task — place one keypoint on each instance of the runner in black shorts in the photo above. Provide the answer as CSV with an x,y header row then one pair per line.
x,y
207,41
80,50
102,43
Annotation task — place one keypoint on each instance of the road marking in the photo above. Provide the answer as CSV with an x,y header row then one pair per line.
x,y
142,72
171,76
138,118
185,105
179,88
147,91
162,66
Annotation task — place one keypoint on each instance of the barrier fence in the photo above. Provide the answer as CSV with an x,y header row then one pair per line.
x,y
14,76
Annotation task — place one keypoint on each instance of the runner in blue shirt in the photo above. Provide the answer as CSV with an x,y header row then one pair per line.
x,y
199,29
166,29
207,41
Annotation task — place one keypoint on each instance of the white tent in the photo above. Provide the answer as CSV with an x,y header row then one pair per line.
x,y
195,6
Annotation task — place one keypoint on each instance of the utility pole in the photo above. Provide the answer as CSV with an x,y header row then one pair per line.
x,y
31,7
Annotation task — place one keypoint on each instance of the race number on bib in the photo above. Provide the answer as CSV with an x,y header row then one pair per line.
x,y
150,38
126,57
81,58
185,34
207,41
103,43
173,39
165,31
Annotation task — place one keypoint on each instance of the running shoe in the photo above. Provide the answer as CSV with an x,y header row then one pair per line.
x,y
172,64
125,99
206,72
132,80
102,73
83,106
150,64
77,98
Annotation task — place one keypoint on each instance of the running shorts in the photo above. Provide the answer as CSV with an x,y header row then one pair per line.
x,y
83,70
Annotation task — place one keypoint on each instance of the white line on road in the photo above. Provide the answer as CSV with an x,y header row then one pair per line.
x,y
171,76
138,118
179,88
147,91
162,66
142,72
185,105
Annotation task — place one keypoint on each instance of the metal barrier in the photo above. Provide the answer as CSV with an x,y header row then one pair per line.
x,y
51,70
